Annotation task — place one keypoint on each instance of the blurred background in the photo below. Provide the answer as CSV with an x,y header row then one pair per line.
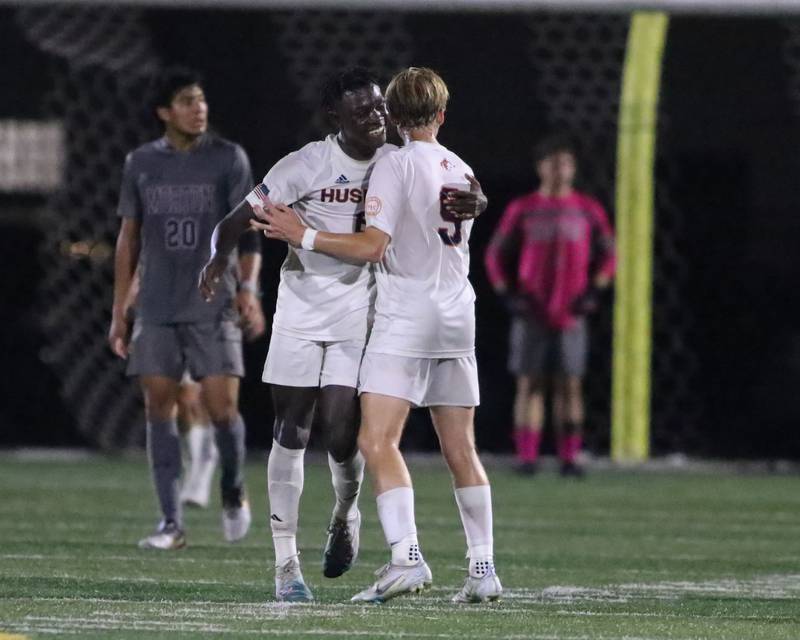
x,y
726,338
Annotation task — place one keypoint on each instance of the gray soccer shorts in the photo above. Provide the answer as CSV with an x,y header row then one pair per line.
x,y
201,349
536,350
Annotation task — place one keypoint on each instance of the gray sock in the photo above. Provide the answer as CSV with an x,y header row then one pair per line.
x,y
230,442
164,451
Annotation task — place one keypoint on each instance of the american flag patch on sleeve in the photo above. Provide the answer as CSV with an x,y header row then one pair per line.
x,y
259,196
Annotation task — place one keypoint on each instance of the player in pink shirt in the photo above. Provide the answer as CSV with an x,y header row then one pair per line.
x,y
564,248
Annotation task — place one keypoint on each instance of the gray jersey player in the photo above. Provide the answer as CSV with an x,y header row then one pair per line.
x,y
174,191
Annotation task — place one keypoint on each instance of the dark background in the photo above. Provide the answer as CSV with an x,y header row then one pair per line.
x,y
727,343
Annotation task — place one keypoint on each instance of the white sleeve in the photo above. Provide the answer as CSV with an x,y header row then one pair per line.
x,y
385,195
284,183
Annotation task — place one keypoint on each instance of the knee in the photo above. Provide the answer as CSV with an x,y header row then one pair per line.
x,y
160,409
460,455
341,448
224,417
372,444
291,436
340,437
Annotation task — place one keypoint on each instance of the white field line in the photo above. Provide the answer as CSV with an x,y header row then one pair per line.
x,y
145,557
64,575
773,587
211,617
779,587
79,626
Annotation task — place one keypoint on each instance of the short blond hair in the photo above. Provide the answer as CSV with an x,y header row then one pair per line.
x,y
415,96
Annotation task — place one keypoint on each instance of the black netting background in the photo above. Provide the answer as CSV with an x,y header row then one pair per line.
x,y
101,59
569,65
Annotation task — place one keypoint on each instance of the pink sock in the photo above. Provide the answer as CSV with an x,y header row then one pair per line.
x,y
527,445
568,447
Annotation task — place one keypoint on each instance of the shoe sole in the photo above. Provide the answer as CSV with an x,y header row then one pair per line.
x,y
176,547
417,588
478,600
331,570
194,504
294,600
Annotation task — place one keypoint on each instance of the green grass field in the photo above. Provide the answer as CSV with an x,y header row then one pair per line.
x,y
621,555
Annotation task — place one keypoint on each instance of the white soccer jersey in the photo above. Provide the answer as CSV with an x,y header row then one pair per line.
x,y
319,297
425,306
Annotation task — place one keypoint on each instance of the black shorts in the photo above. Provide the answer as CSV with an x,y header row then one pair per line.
x,y
535,349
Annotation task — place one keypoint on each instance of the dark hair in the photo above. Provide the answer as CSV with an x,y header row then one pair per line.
x,y
346,80
553,144
167,84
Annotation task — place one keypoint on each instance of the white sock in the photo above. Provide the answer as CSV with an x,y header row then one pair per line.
x,y
200,447
475,507
346,478
193,442
284,485
209,447
396,513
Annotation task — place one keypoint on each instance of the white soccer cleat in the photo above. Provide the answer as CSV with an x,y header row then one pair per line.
x,y
341,547
236,521
289,583
487,588
166,538
395,580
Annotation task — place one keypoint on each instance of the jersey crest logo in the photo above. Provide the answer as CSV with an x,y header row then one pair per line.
x,y
342,179
446,164
373,206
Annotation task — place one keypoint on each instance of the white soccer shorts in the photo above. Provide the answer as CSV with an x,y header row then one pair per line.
x,y
295,362
424,382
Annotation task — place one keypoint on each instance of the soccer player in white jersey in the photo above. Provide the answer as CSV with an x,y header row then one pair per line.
x,y
320,323
421,351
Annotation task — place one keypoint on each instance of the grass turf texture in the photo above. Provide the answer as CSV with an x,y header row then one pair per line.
x,y
621,555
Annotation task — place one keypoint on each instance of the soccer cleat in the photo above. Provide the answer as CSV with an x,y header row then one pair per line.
x,y
289,583
196,490
487,588
167,537
236,517
395,580
571,470
341,548
527,468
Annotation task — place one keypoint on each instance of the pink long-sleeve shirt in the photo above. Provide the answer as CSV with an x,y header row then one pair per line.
x,y
561,243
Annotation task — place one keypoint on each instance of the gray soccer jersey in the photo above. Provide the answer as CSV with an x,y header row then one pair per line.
x,y
178,197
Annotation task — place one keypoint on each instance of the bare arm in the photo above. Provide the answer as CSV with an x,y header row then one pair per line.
x,y
133,294
226,234
281,223
368,246
249,270
223,241
126,258
252,316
